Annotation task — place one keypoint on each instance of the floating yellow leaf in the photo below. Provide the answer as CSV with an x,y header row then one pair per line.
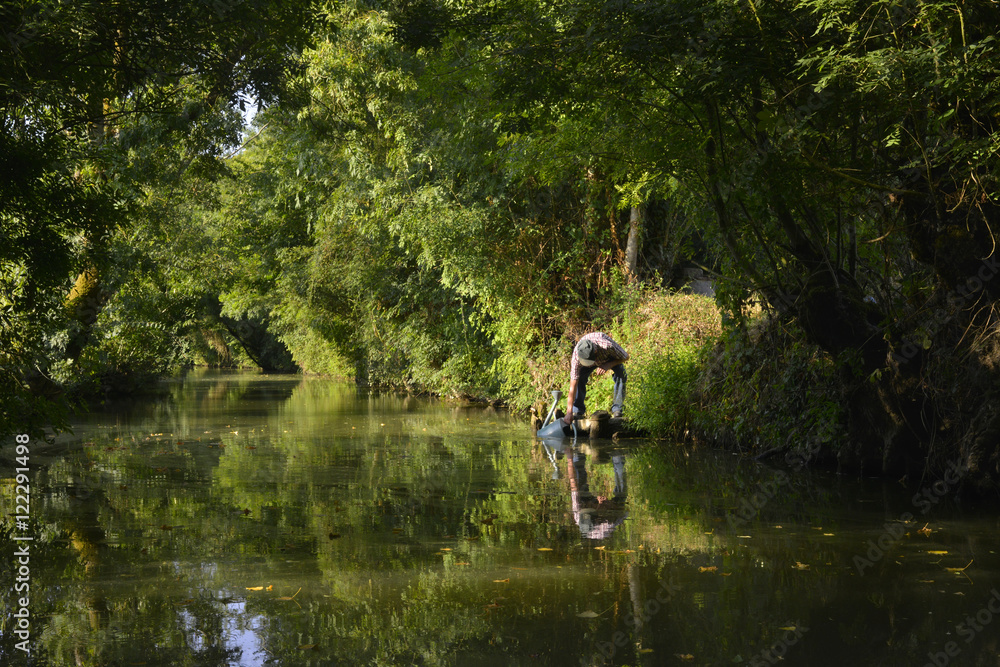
x,y
684,656
289,597
710,568
255,588
501,581
649,650
600,548
828,534
788,628
925,530
800,566
544,549
588,614
956,570
937,553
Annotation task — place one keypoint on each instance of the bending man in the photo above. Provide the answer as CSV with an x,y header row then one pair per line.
x,y
595,352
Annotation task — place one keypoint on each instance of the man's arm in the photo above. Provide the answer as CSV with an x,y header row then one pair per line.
x,y
570,399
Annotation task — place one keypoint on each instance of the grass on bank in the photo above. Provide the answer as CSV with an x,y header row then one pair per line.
x,y
753,387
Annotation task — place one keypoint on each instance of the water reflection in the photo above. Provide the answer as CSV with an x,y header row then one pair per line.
x,y
596,515
254,520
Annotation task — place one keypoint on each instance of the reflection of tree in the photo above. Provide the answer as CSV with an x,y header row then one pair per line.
x,y
422,546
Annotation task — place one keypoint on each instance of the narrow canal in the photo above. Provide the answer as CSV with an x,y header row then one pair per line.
x,y
243,519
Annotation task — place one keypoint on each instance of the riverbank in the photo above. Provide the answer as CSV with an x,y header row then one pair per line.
x,y
758,388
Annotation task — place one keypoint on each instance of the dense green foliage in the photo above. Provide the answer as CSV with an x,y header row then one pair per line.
x,y
444,195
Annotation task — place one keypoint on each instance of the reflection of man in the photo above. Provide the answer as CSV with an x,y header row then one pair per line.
x,y
595,353
597,516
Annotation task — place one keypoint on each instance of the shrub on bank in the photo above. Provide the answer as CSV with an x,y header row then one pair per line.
x,y
762,389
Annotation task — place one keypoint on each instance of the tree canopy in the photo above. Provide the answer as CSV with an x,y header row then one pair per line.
x,y
434,193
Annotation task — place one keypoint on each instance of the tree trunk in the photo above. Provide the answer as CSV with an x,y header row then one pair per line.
x,y
83,304
637,219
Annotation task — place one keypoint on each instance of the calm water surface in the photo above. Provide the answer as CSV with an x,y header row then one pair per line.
x,y
275,520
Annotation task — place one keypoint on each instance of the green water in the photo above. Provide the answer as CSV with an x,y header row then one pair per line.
x,y
274,520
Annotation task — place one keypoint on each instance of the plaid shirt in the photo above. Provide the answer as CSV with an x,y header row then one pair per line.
x,y
605,350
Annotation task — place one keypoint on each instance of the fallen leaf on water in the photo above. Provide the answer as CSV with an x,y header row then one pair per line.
x,y
601,548
255,588
958,569
789,628
588,614
684,656
710,568
501,581
649,650
800,566
544,549
270,587
937,553
445,548
925,530
463,563
828,534
289,597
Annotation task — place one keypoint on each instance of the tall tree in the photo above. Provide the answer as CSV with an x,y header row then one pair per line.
x,y
90,91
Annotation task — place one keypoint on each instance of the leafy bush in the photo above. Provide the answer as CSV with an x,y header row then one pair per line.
x,y
659,399
763,388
